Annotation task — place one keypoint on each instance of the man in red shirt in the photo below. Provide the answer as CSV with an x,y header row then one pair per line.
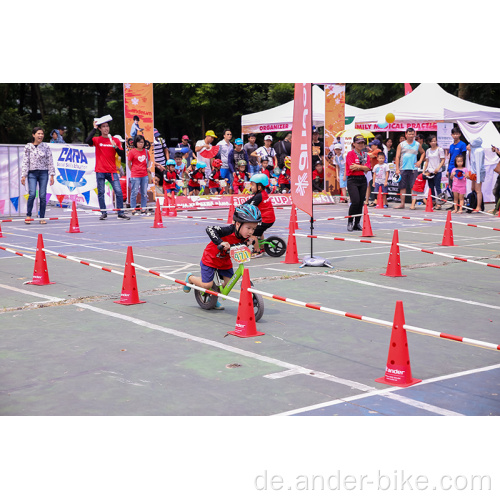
x,y
105,167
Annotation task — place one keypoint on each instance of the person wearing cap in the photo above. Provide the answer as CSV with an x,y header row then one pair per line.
x,y
62,130
250,147
236,155
357,163
161,153
205,145
183,145
266,150
339,162
105,166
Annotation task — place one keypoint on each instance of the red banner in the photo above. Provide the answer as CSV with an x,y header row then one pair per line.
x,y
301,171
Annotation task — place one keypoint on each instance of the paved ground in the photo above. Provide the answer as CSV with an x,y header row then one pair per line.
x,y
68,349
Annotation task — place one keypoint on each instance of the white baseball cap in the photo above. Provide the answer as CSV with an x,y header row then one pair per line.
x,y
268,138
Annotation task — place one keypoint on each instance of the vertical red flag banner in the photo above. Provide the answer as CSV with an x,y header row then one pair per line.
x,y
138,102
301,171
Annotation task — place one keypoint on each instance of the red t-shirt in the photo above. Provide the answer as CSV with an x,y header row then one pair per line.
x,y
138,162
264,203
195,177
317,174
284,177
105,154
218,259
239,179
214,177
419,184
350,159
170,178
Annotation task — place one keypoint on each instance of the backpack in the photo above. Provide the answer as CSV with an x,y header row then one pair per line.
x,y
471,202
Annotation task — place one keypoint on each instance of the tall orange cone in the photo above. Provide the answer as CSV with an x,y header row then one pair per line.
x,y
398,368
130,294
293,216
245,319
40,272
428,205
158,223
166,203
380,198
172,207
394,263
74,227
291,256
448,232
367,227
231,211
1,235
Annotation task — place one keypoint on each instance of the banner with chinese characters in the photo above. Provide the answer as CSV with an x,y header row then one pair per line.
x,y
334,123
301,171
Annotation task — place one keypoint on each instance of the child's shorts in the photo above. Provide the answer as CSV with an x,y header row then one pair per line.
x,y
214,191
207,273
192,188
385,189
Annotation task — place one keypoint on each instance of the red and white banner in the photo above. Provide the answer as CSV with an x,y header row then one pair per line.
x,y
301,171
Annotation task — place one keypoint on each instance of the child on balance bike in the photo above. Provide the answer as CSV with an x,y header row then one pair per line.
x,y
262,201
216,255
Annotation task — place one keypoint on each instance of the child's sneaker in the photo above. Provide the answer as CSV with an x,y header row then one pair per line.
x,y
186,288
219,306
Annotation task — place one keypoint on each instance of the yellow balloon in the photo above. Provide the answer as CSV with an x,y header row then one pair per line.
x,y
390,118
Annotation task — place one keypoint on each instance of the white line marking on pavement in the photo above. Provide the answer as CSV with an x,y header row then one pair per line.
x,y
34,294
266,359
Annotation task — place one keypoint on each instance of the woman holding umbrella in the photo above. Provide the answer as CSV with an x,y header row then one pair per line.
x,y
357,163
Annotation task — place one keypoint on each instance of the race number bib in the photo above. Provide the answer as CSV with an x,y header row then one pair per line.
x,y
240,254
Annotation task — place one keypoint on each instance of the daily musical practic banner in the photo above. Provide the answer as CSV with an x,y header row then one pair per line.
x,y
301,171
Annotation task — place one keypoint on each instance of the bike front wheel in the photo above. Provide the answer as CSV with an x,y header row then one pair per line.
x,y
206,300
274,246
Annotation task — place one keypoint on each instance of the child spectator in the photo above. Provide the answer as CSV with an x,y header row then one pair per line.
x,y
139,163
185,176
459,175
318,182
169,178
240,177
418,188
215,177
284,178
216,254
381,177
197,173
263,202
339,162
372,155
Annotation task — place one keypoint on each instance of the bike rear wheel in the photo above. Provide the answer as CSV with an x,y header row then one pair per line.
x,y
206,300
258,304
274,246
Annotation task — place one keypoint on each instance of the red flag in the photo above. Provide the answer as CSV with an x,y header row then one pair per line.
x,y
408,88
301,172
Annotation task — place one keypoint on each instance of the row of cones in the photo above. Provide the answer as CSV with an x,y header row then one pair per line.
x,y
428,204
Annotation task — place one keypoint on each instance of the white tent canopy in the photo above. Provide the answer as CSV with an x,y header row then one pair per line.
x,y
430,103
281,117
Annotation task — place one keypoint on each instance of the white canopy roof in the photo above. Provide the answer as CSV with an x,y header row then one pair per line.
x,y
430,102
281,117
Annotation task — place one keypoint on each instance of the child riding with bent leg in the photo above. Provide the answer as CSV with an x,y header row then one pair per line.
x,y
216,255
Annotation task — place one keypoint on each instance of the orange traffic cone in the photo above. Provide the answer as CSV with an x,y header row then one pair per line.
x,y
448,233
293,216
367,227
158,223
130,295
245,319
172,207
380,198
398,369
394,263
1,235
40,272
428,205
231,211
74,227
164,210
291,256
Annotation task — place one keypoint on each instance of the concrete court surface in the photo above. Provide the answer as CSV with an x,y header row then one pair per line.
x,y
68,349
